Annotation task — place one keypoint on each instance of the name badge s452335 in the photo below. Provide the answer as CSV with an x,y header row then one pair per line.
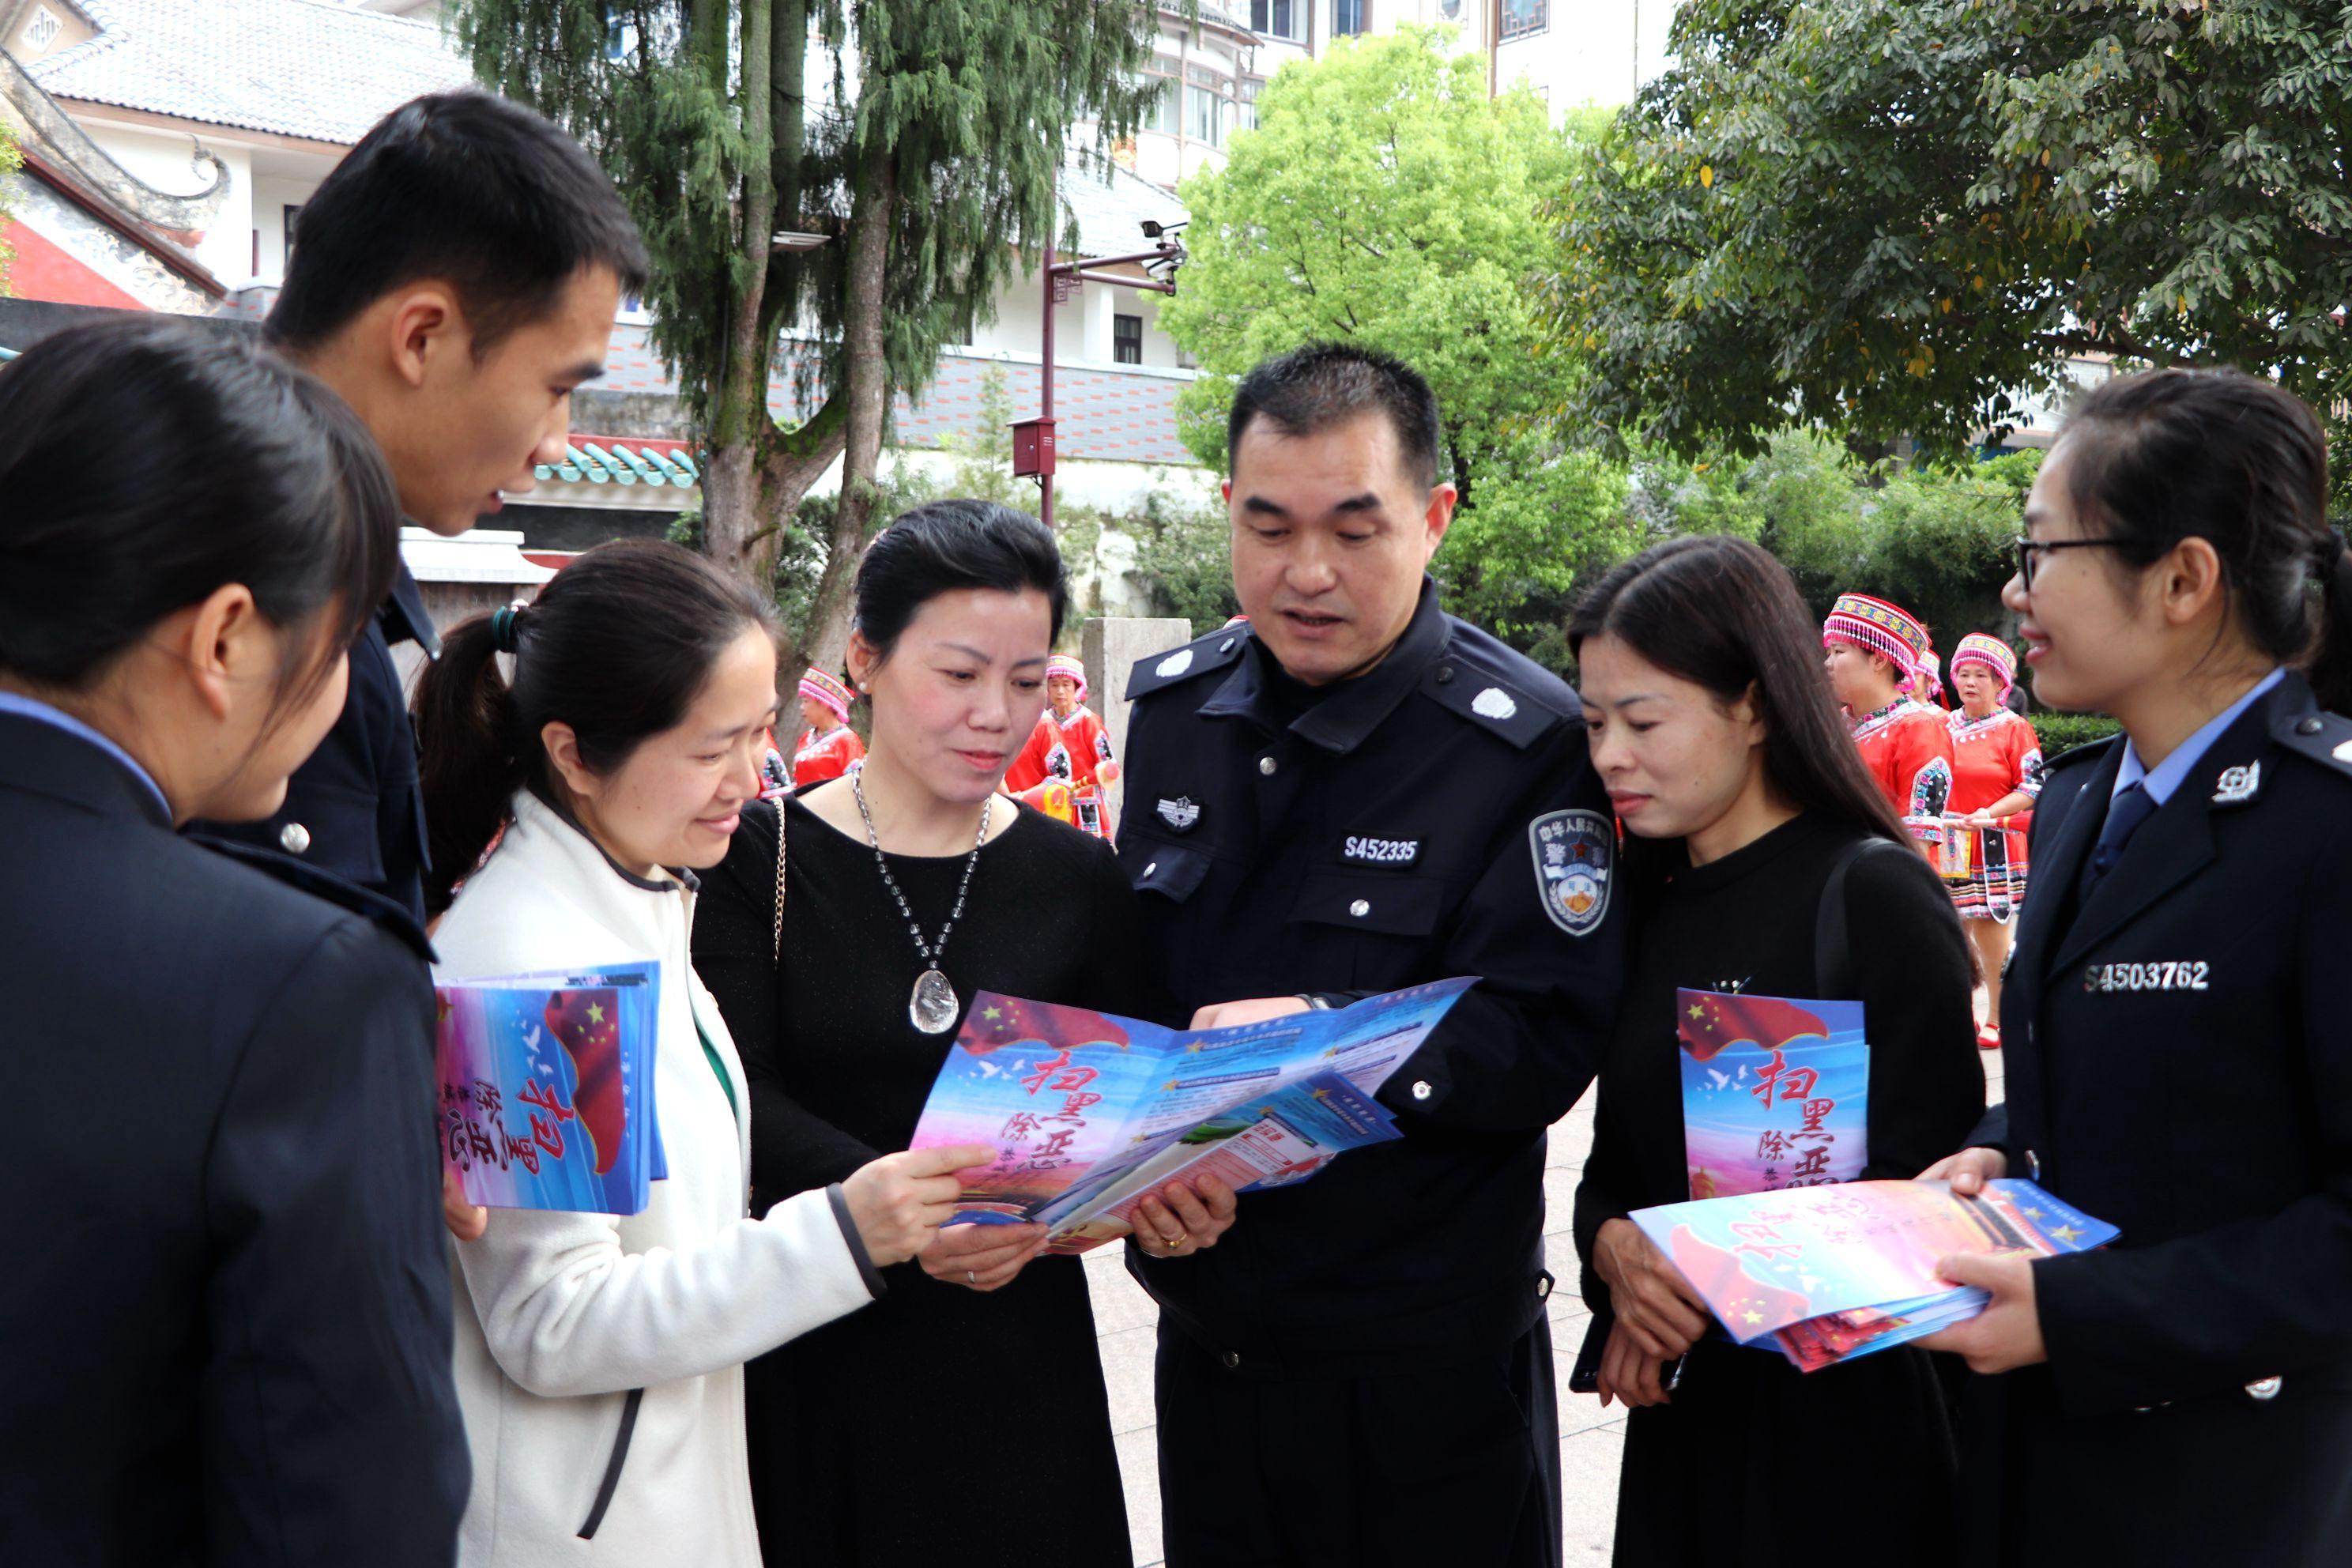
x,y
1575,857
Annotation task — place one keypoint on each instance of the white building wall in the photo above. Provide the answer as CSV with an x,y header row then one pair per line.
x,y
163,160
1083,328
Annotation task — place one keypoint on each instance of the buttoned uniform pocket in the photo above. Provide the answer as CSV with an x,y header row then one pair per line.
x,y
1174,871
339,830
1385,921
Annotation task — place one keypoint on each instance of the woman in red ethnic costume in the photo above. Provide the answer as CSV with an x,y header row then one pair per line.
x,y
1069,742
1996,774
828,748
1875,653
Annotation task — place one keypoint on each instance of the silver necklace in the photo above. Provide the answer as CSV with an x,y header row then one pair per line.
x,y
932,1005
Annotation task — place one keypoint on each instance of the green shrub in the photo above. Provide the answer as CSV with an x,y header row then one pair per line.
x,y
2063,731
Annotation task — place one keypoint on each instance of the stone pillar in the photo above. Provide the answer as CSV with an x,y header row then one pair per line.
x,y
1109,649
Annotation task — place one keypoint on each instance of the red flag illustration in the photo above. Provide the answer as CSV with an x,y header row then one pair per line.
x,y
1742,1304
996,1021
588,1023
1709,1021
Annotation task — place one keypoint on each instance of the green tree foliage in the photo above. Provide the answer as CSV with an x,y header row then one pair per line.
x,y
924,149
1385,199
1934,539
1885,218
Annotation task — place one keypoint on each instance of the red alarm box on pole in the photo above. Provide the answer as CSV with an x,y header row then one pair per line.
x,y
1033,446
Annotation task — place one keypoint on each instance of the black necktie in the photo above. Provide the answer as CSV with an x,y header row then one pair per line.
x,y
2131,807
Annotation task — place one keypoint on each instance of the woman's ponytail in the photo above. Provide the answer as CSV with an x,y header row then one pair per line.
x,y
2331,657
472,760
615,646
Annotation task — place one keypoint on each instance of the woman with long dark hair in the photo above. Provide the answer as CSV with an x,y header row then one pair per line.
x,y
1762,859
226,1336
599,1356
2180,1055
845,971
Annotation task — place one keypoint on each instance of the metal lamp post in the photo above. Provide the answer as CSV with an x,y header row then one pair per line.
x,y
1032,439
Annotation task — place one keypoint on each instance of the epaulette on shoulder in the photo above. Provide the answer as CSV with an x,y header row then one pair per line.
x,y
1199,656
307,879
2322,737
1507,702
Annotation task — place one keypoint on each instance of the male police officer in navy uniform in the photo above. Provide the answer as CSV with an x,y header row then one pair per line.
x,y
456,277
1354,793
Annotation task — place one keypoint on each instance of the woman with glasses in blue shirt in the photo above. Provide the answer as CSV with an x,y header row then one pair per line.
x,y
2180,1053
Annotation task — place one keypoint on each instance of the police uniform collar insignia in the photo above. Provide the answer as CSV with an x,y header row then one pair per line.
x,y
2238,786
1494,703
1575,861
1182,814
1174,665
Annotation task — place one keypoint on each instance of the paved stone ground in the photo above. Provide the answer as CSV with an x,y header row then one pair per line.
x,y
1591,1439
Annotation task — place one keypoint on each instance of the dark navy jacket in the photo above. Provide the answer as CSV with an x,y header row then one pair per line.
x,y
1437,816
354,808
2180,1064
225,1329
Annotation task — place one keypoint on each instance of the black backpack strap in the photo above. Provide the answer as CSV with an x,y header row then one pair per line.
x,y
1833,975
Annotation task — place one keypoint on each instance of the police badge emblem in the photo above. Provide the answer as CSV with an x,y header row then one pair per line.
x,y
1179,813
1575,856
2238,786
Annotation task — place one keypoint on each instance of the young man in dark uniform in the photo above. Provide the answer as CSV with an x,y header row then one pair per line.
x,y
455,280
1356,792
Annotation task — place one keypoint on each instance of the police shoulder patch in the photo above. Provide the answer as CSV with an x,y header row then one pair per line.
x,y
1575,857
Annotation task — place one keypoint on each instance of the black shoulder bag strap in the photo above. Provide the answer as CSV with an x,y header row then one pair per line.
x,y
1834,976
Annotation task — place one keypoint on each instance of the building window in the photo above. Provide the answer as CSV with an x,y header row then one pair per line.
x,y
1522,17
1206,121
291,214
1164,115
1347,17
1276,18
1127,339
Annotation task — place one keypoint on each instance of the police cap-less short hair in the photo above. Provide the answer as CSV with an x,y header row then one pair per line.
x,y
462,186
1312,389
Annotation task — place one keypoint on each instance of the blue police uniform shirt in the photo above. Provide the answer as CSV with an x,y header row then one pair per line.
x,y
2168,776
42,714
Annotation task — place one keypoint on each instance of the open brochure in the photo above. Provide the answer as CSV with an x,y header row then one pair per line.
x,y
547,1088
1090,1110
1825,1274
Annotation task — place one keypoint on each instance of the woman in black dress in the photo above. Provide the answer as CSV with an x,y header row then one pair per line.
x,y
1747,811
910,885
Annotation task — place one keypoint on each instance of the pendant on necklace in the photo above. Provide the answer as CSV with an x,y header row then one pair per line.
x,y
932,1007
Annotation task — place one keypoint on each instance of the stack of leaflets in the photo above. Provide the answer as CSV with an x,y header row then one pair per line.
x,y
547,1088
1825,1274
1090,1111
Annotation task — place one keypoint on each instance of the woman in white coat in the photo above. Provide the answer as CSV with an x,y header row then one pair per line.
x,y
599,1359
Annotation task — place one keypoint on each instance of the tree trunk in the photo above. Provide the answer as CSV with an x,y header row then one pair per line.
x,y
793,464
733,521
867,398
